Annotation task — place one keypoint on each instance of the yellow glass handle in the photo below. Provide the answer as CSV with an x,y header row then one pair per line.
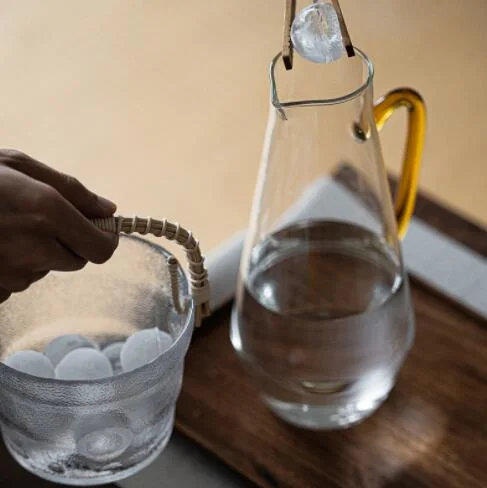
x,y
411,166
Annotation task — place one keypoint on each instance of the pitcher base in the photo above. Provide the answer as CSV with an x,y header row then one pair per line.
x,y
323,417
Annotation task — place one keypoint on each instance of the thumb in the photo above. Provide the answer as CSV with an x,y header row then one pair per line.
x,y
88,203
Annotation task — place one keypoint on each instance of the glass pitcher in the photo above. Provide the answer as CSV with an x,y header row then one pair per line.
x,y
323,316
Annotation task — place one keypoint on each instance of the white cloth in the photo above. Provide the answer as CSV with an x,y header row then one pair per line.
x,y
428,254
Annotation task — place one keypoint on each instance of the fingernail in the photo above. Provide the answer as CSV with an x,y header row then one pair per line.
x,y
107,205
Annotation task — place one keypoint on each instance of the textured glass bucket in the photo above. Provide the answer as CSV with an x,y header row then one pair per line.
x,y
94,432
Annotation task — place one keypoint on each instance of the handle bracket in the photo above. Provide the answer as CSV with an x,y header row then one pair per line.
x,y
198,275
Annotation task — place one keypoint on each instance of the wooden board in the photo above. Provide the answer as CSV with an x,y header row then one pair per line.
x,y
432,432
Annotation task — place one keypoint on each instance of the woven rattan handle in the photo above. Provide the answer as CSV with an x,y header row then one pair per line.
x,y
198,275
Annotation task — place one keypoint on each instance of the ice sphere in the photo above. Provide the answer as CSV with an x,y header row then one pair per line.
x,y
102,436
84,363
316,33
112,352
31,362
143,347
62,345
104,444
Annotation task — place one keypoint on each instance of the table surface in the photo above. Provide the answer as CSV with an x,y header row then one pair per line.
x,y
431,432
158,105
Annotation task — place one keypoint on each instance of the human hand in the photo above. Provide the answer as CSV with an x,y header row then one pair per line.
x,y
44,223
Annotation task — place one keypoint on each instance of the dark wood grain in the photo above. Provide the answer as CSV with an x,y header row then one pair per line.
x,y
432,432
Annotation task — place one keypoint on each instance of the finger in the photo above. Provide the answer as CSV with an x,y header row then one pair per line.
x,y
59,258
46,254
4,295
37,252
38,276
75,232
15,281
87,202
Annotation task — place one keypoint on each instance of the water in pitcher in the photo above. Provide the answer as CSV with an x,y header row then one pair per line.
x,y
323,322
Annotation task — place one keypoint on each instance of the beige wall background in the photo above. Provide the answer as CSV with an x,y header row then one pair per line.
x,y
159,104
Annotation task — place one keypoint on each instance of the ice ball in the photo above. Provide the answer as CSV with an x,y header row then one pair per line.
x,y
84,363
31,362
112,352
316,33
105,444
143,347
64,344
